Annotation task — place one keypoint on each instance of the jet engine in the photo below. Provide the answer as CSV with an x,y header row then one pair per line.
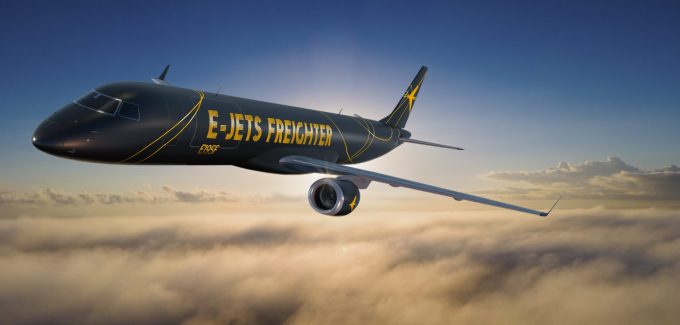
x,y
333,197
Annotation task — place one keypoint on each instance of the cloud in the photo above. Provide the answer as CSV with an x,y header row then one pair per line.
x,y
167,194
567,173
57,197
201,196
612,179
473,267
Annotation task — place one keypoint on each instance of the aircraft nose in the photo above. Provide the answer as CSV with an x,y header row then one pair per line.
x,y
47,138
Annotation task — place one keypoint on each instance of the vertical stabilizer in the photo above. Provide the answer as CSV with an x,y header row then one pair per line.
x,y
401,112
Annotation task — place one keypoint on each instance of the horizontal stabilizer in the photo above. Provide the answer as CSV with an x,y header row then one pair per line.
x,y
428,143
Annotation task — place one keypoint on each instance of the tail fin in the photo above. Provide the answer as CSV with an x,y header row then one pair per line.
x,y
401,112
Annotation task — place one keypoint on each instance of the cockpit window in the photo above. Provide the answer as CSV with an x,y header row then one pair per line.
x,y
129,110
99,102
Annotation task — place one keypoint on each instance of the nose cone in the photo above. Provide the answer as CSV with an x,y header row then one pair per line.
x,y
48,138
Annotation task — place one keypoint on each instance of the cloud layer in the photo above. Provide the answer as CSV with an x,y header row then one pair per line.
x,y
167,194
588,266
601,181
611,179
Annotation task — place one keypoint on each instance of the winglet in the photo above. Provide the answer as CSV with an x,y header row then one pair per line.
x,y
545,214
161,79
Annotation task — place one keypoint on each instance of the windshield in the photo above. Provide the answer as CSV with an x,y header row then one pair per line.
x,y
99,102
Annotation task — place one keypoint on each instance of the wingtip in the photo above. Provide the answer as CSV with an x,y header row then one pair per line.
x,y
545,214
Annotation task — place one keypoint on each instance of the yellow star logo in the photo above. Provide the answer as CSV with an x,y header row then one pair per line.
x,y
411,97
353,203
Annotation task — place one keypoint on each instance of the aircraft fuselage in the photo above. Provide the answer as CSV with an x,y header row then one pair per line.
x,y
143,123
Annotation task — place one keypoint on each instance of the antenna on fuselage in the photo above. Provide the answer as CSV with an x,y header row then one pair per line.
x,y
218,91
340,112
161,79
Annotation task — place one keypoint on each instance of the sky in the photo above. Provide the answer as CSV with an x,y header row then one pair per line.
x,y
520,86
548,98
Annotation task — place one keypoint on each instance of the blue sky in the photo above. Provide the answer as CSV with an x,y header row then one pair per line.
x,y
520,85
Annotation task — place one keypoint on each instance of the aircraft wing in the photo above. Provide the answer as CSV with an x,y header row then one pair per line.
x,y
363,177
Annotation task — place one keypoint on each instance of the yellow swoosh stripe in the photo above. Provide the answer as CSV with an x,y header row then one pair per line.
x,y
368,140
176,135
198,107
367,144
168,131
349,158
370,129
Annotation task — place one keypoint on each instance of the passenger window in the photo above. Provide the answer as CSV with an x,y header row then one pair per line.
x,y
129,110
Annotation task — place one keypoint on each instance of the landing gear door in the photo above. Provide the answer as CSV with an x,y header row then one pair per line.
x,y
218,124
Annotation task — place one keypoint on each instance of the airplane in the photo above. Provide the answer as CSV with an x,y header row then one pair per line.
x,y
158,124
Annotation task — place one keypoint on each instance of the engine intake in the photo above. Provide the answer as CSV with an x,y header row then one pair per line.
x,y
333,197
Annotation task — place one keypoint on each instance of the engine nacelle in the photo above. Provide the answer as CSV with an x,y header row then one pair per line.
x,y
333,197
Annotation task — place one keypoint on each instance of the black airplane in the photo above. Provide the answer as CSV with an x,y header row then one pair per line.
x,y
156,123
